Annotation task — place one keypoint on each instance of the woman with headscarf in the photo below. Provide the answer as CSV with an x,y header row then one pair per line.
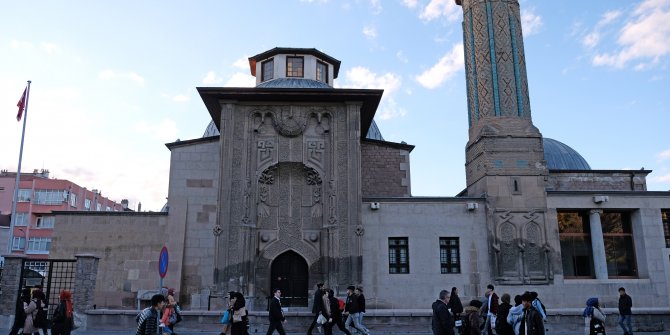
x,y
594,318
239,315
455,303
63,316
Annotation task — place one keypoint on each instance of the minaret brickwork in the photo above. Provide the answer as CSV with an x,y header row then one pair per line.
x,y
504,155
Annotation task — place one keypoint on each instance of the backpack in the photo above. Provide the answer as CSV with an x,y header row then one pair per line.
x,y
40,321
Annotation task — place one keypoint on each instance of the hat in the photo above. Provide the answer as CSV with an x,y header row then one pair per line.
x,y
351,287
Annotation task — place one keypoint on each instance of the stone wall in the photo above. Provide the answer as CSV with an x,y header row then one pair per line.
x,y
598,180
128,245
385,169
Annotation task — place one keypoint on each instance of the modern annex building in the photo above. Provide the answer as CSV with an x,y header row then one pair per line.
x,y
293,184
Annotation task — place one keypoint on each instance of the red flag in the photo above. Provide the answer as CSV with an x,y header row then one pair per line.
x,y
21,105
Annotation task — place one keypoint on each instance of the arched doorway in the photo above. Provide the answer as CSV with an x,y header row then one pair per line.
x,y
289,273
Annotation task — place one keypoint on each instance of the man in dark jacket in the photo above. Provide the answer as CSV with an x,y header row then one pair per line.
x,y
531,321
491,309
443,323
276,314
351,310
625,313
147,321
317,307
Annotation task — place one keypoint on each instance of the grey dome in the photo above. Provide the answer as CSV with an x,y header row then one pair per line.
x,y
560,156
293,83
211,130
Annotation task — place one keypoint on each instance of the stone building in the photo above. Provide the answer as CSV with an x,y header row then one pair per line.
x,y
293,184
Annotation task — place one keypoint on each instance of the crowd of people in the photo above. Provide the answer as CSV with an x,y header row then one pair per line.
x,y
527,317
31,314
161,317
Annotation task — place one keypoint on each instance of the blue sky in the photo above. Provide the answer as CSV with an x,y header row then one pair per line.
x,y
114,81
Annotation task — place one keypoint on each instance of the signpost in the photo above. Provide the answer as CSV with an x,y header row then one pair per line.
x,y
163,264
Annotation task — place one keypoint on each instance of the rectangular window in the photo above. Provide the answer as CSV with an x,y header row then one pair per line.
x,y
87,204
97,207
665,217
267,70
619,248
73,200
108,209
322,72
398,255
50,197
19,243
21,219
294,66
46,221
450,259
39,244
576,252
25,194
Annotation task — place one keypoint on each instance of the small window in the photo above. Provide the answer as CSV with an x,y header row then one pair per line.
x,y
21,219
46,221
98,207
294,66
73,200
267,70
24,194
322,72
19,243
39,244
398,255
450,259
87,204
665,217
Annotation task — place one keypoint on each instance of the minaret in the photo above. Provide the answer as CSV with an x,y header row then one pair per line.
x,y
504,155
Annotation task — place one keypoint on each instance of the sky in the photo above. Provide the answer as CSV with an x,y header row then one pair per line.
x,y
113,81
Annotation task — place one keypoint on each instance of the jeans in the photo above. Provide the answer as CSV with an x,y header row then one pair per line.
x,y
624,322
355,318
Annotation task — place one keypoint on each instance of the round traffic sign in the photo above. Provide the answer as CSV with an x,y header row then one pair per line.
x,y
163,262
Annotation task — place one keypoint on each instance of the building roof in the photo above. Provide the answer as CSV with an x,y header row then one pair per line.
x,y
560,156
304,51
293,83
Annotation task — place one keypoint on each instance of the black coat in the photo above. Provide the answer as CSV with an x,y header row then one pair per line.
x,y
455,304
532,319
443,323
361,303
351,304
625,304
502,327
61,324
318,301
276,314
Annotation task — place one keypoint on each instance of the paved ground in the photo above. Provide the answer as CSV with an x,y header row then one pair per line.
x,y
130,332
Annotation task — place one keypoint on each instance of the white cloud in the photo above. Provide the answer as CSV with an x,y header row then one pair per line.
x,y
663,155
241,79
180,98
370,31
530,22
643,40
660,179
242,63
164,131
609,17
591,39
440,8
401,56
211,79
376,6
111,75
361,77
410,3
51,48
451,63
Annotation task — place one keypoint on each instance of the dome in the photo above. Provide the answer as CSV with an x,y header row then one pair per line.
x,y
211,130
560,156
293,83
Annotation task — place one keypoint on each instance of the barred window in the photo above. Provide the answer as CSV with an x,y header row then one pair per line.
x,y
294,66
450,256
398,255
665,217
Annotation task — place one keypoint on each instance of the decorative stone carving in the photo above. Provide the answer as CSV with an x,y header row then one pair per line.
x,y
217,230
534,256
265,149
316,153
247,200
288,122
509,254
359,230
332,203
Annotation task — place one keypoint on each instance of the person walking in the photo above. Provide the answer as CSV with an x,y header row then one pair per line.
x,y
317,306
471,319
515,314
351,310
239,316
531,321
491,310
20,312
442,323
147,320
335,316
361,309
594,318
32,309
502,326
63,317
276,314
625,313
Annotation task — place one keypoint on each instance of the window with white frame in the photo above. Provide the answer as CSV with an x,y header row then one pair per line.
x,y
19,243
50,197
87,204
73,200
46,221
98,207
21,219
24,194
108,209
39,244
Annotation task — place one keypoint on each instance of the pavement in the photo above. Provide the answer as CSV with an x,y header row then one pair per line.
x,y
4,330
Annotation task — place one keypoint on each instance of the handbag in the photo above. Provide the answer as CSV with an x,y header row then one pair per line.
x,y
225,319
321,319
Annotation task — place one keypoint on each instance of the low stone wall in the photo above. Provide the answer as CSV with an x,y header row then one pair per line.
x,y
409,321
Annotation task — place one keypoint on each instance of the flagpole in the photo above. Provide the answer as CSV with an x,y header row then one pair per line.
x,y
12,222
